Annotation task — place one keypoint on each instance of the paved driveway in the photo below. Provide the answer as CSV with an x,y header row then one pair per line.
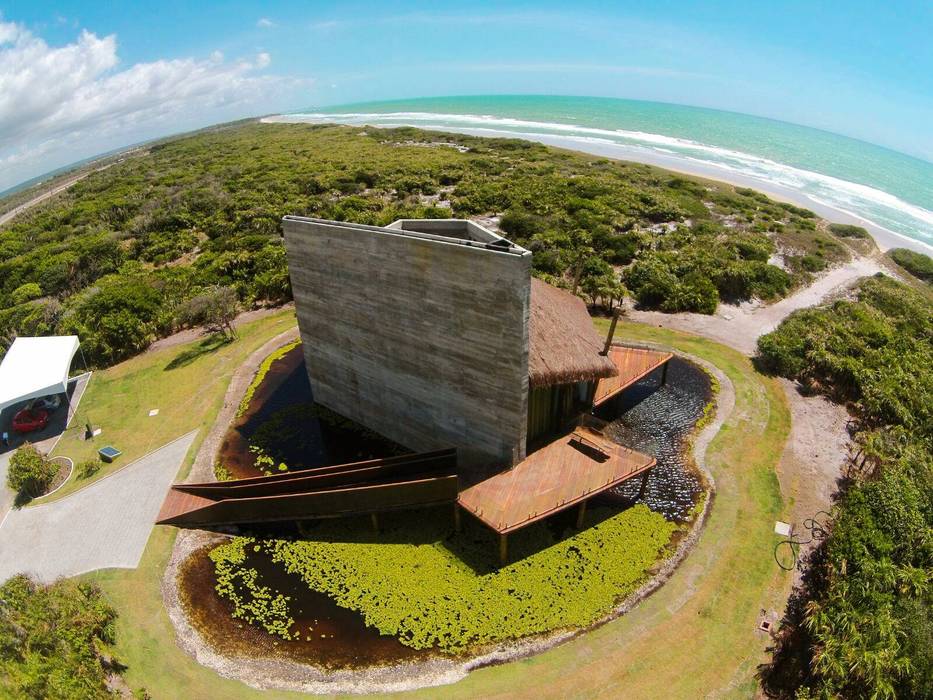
x,y
104,525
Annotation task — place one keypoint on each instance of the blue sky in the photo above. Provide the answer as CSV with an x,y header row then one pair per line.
x,y
78,78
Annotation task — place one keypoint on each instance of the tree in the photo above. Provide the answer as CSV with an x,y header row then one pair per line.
x,y
30,471
52,638
215,309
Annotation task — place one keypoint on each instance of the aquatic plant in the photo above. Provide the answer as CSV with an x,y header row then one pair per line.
x,y
261,374
256,604
433,588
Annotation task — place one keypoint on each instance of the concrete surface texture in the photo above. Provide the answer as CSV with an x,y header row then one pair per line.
x,y
422,338
104,525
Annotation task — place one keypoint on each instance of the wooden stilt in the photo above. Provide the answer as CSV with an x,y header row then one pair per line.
x,y
503,549
612,332
644,485
457,522
581,514
375,520
664,373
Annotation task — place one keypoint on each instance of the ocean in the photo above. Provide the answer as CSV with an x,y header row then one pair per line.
x,y
841,178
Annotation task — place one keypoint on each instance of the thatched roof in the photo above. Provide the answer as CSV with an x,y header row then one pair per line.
x,y
563,345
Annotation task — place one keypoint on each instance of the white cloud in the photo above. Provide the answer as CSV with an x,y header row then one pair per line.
x,y
265,23
59,99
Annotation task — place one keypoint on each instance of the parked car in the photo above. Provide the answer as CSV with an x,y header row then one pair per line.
x,y
48,403
30,419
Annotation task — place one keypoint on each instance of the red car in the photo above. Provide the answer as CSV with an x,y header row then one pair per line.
x,y
30,419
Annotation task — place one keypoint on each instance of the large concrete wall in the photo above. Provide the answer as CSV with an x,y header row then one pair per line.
x,y
420,338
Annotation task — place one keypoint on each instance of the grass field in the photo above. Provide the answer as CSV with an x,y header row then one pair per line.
x,y
186,383
696,636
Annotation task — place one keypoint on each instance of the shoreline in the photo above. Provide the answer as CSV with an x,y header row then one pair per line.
x,y
883,238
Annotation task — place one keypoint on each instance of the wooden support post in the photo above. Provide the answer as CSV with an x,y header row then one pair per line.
x,y
457,523
664,373
503,549
644,485
375,520
612,332
581,514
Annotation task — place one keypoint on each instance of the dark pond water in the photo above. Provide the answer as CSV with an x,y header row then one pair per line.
x,y
655,419
658,420
284,397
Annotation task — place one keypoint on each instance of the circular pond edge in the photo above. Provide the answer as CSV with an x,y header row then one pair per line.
x,y
283,674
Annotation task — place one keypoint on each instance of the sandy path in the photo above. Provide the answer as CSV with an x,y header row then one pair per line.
x,y
739,326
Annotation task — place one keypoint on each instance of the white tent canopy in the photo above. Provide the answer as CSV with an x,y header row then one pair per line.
x,y
35,367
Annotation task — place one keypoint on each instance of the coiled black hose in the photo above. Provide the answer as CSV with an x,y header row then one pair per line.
x,y
818,531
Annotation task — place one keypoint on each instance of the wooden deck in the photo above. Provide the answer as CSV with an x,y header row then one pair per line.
x,y
564,473
633,364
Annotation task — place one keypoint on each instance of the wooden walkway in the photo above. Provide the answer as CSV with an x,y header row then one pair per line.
x,y
633,364
564,473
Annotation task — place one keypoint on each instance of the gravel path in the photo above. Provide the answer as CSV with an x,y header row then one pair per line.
x,y
104,525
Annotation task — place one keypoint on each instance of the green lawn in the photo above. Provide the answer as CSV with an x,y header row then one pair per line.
x,y
186,383
696,636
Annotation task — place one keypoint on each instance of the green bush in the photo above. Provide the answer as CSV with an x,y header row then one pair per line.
x,y
430,587
53,639
917,264
88,468
30,472
26,292
848,231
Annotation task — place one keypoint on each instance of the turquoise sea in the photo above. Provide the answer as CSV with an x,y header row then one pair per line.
x,y
884,188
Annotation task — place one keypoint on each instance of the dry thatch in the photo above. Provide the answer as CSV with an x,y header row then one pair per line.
x,y
563,345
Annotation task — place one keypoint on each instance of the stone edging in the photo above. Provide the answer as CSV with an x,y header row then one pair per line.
x,y
283,674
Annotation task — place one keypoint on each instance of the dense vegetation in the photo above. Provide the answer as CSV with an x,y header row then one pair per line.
x,y
118,257
54,641
867,624
917,264
433,588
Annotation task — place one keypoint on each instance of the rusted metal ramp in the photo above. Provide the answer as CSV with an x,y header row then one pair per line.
x,y
632,364
373,486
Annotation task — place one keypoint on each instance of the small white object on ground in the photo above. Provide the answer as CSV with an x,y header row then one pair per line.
x,y
154,412
782,528
97,431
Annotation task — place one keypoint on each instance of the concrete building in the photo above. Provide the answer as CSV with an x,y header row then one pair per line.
x,y
434,334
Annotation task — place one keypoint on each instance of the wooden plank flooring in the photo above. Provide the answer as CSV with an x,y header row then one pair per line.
x,y
633,364
550,480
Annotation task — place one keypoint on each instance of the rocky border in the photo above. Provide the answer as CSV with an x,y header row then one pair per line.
x,y
284,674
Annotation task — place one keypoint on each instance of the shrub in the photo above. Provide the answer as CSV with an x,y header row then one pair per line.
x,y
30,472
51,640
848,231
26,292
88,468
917,264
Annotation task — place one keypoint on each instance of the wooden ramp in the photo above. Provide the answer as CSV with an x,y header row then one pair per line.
x,y
368,487
564,473
632,364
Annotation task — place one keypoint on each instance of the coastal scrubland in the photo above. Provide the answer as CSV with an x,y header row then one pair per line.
x,y
917,264
116,258
863,624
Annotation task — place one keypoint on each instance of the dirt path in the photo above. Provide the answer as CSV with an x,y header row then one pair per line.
x,y
740,326
191,334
